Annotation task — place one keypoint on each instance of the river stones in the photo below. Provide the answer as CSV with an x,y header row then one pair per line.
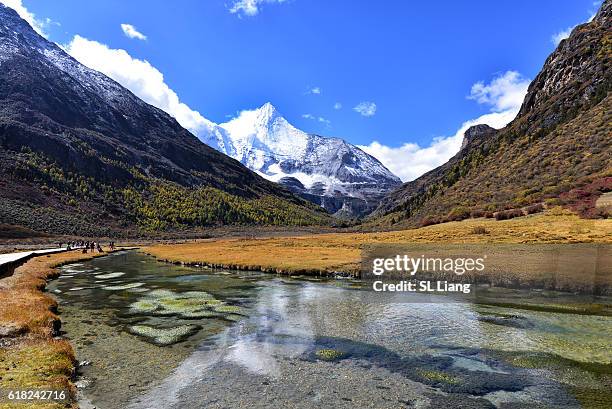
x,y
164,336
108,276
122,286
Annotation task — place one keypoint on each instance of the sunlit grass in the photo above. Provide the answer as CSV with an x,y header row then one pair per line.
x,y
342,251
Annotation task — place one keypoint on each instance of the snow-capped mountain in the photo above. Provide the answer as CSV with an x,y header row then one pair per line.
x,y
329,171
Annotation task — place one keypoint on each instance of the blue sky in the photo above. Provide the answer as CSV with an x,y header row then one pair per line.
x,y
415,62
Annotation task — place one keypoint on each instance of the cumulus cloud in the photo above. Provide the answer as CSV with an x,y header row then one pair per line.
x,y
337,106
37,24
315,91
139,76
366,108
131,32
563,34
250,7
504,94
317,118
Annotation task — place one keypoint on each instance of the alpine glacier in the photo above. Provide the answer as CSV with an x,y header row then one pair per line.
x,y
328,171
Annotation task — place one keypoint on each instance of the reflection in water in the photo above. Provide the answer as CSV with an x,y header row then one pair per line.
x,y
308,340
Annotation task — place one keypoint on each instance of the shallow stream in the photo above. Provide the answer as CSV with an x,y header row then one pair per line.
x,y
156,335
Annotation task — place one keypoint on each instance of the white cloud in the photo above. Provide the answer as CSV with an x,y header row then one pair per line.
x,y
563,34
317,118
24,13
139,76
409,161
337,106
504,92
315,90
366,108
131,32
250,7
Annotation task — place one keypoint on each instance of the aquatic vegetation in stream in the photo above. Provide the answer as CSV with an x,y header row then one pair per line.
x,y
328,354
186,305
164,336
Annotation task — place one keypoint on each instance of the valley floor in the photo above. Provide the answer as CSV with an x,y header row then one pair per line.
x,y
342,251
324,254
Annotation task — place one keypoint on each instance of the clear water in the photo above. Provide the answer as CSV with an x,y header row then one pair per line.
x,y
302,343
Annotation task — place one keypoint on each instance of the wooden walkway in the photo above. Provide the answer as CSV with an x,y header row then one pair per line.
x,y
11,260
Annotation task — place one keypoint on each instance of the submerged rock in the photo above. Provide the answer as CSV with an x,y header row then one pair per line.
x,y
122,286
108,276
164,336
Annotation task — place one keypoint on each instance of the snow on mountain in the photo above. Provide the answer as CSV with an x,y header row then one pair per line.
x,y
328,171
311,165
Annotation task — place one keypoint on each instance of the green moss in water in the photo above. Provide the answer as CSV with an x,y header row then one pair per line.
x,y
438,376
164,336
582,309
190,304
201,295
233,317
593,398
181,305
201,314
144,306
229,309
552,361
328,354
160,293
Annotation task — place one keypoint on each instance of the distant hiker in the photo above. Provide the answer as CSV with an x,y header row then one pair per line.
x,y
100,249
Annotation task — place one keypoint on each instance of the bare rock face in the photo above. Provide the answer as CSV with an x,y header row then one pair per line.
x,y
476,131
559,140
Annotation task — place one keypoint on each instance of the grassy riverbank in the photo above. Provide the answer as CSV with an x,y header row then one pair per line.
x,y
325,253
30,357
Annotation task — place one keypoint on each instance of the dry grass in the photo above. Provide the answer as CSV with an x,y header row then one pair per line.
x,y
342,251
22,304
31,358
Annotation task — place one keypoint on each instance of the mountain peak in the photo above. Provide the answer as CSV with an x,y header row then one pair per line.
x,y
267,112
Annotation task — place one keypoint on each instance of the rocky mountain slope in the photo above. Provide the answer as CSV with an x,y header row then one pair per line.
x,y
558,148
80,154
328,171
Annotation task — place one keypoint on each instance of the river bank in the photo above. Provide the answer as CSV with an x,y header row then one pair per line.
x,y
31,355
330,254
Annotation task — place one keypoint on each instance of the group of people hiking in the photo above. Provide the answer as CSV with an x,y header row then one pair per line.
x,y
87,245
